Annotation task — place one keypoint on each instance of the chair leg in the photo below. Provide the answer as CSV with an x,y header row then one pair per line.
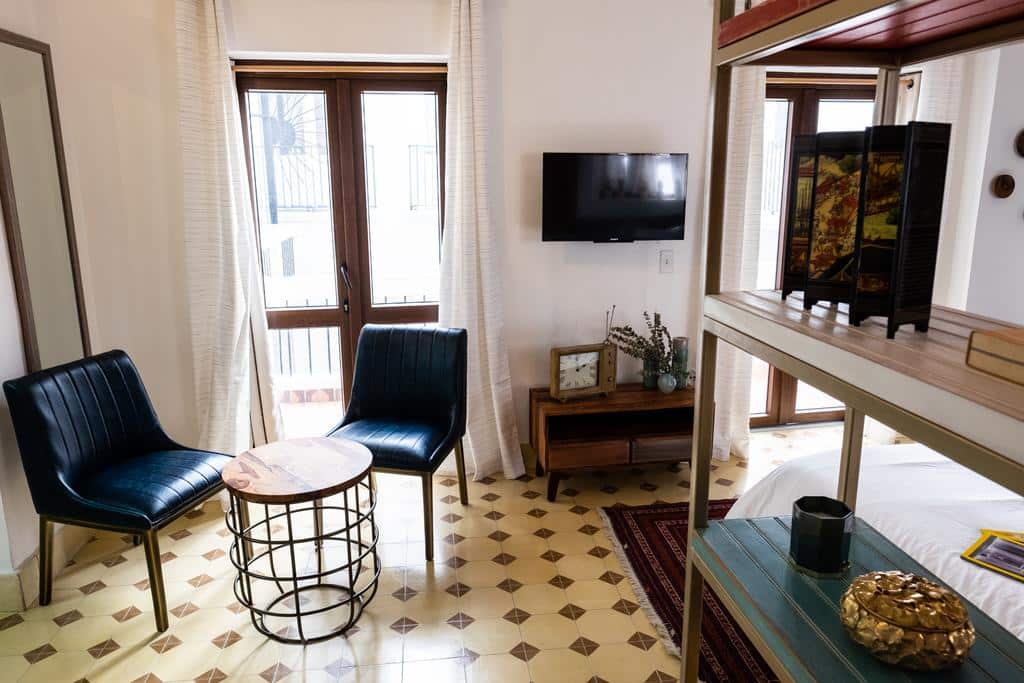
x,y
428,516
460,467
156,578
45,560
136,540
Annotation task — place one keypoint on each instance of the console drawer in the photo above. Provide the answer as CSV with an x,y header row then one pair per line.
x,y
568,455
661,449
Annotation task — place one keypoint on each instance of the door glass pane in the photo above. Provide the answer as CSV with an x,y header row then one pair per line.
x,y
841,115
776,138
808,399
400,147
292,173
307,379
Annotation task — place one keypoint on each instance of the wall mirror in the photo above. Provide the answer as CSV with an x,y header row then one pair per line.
x,y
36,207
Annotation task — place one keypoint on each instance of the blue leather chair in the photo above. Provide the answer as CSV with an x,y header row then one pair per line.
x,y
96,456
408,404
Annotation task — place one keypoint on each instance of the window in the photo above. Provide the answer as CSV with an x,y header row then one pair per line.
x,y
797,104
346,186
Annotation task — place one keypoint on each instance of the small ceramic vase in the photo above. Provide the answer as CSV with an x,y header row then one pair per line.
x,y
666,383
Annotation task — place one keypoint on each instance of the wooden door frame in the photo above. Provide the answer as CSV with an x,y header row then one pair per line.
x,y
390,313
342,87
804,92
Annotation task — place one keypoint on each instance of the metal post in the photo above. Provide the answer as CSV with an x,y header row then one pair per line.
x,y
887,94
849,463
700,475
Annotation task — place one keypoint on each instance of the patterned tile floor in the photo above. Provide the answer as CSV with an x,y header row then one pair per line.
x,y
521,590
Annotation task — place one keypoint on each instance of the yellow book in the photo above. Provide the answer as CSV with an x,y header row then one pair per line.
x,y
998,352
1000,551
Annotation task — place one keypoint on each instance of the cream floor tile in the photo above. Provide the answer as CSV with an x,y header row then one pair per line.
x,y
549,631
560,666
492,668
452,670
563,611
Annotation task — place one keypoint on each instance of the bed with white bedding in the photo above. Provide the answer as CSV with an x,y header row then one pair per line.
x,y
923,502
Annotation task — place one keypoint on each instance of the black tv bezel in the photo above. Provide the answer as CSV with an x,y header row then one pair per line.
x,y
618,239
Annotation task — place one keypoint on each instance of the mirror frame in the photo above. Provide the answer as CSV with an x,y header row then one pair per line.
x,y
10,213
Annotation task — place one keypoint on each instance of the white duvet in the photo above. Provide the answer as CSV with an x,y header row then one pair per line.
x,y
925,503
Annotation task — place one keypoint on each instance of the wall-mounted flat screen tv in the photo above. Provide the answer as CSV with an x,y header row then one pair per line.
x,y
613,197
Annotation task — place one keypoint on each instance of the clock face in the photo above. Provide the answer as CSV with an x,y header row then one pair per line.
x,y
578,370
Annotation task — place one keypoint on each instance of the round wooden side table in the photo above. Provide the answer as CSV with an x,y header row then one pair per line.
x,y
308,569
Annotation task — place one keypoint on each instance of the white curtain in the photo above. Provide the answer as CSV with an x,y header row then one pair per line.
x,y
470,278
231,360
740,245
959,90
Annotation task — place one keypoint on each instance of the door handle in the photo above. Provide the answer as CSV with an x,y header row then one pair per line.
x,y
345,277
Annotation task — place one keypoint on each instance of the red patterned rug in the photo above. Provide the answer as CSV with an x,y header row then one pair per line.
x,y
650,541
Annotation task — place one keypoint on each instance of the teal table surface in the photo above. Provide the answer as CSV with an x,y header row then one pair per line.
x,y
796,616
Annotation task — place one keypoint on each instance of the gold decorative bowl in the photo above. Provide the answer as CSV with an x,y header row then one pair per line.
x,y
907,620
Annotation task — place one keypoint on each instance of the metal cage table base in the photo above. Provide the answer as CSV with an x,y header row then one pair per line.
x,y
307,570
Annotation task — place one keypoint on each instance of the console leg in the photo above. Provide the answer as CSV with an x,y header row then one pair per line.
x,y
553,479
921,326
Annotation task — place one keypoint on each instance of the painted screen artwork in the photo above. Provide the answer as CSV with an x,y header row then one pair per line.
x,y
882,189
801,225
836,199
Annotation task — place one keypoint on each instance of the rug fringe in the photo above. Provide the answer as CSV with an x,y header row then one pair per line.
x,y
641,595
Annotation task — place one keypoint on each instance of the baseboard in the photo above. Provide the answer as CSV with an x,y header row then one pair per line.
x,y
19,589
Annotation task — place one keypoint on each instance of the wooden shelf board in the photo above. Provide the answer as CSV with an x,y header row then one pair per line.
x,y
923,373
868,26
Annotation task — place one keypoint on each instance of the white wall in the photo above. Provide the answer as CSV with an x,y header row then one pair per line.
x,y
414,28
584,76
114,66
995,282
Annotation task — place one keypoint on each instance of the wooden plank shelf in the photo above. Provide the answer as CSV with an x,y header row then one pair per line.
x,y
850,26
924,374
793,618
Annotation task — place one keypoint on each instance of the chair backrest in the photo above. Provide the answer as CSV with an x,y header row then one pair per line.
x,y
74,419
410,371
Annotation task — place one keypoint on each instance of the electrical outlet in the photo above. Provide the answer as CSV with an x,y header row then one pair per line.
x,y
666,261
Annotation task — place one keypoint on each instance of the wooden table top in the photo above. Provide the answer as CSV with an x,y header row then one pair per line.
x,y
297,470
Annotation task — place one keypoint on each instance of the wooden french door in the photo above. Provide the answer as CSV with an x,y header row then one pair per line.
x,y
346,177
801,104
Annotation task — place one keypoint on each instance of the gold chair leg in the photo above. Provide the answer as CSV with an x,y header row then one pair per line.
x,y
460,467
428,516
45,561
156,578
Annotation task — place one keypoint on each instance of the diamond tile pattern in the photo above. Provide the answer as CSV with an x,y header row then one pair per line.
x,y
502,603
40,653
583,645
524,651
67,618
127,613
516,616
103,649
642,641
165,644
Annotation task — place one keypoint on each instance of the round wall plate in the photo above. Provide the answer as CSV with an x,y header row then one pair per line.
x,y
1003,185
1019,143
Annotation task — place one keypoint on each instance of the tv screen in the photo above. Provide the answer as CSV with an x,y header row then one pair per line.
x,y
613,197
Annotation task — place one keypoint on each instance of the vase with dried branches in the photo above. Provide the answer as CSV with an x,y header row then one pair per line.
x,y
654,349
